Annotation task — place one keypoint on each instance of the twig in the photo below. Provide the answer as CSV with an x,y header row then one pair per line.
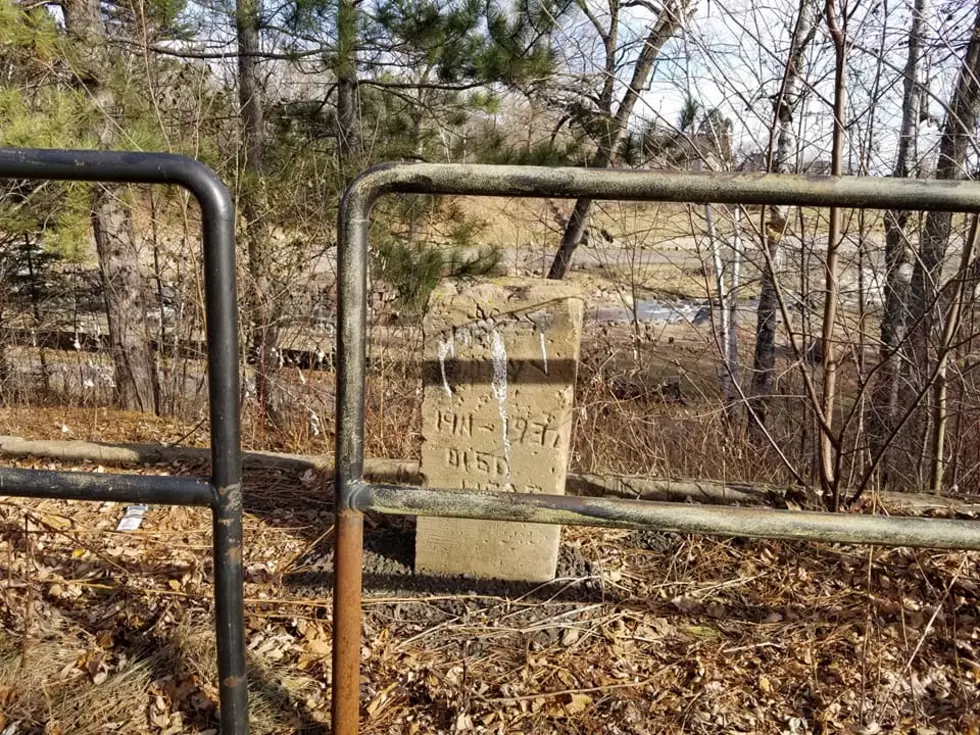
x,y
29,597
177,442
302,552
922,638
564,692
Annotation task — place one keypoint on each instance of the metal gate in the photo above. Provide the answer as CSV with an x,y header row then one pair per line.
x,y
223,494
354,495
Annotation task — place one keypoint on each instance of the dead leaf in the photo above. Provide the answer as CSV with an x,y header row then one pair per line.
x,y
59,523
161,719
314,651
578,703
569,705
379,702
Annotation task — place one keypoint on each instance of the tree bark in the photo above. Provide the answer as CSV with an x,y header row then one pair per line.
x,y
666,25
781,161
253,205
898,270
134,364
135,376
346,72
959,127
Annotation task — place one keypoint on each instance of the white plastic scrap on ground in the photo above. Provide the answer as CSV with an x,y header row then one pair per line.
x,y
133,517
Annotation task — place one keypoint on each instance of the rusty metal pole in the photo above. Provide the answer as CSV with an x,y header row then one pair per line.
x,y
348,539
349,529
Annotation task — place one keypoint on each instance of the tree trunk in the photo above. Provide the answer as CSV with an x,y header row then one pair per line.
x,y
253,206
134,363
959,127
898,271
925,317
733,294
666,25
829,454
785,104
135,372
950,329
346,72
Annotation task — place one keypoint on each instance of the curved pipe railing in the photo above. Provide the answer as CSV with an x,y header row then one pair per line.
x,y
224,493
354,495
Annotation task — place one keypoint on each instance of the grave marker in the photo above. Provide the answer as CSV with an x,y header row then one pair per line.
x,y
497,416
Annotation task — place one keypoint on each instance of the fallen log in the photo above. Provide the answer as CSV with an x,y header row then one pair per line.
x,y
709,492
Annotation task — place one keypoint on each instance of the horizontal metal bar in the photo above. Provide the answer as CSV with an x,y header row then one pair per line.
x,y
118,166
673,517
150,489
664,186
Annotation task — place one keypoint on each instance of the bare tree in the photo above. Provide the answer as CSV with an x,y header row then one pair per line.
x,y
829,442
898,269
782,153
611,123
925,311
959,129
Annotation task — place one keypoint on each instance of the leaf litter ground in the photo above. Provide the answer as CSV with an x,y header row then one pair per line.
x,y
640,633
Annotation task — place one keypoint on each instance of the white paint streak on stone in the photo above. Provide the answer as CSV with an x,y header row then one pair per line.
x,y
498,351
447,348
544,352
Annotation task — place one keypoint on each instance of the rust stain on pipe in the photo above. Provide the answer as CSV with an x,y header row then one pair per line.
x,y
348,553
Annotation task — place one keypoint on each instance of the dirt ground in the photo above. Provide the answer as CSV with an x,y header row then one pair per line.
x,y
640,633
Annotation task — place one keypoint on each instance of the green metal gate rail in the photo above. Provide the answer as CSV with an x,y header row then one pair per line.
x,y
354,495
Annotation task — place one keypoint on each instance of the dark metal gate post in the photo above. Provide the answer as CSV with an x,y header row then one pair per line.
x,y
354,495
224,493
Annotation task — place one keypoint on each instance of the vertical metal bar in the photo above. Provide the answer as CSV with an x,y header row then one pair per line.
x,y
218,214
348,555
349,538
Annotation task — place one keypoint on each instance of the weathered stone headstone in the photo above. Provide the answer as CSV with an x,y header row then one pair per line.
x,y
497,416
